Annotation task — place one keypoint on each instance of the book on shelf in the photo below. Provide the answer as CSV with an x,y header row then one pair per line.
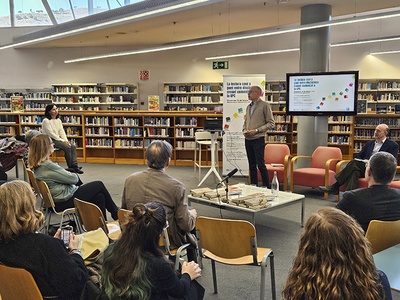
x,y
361,106
381,109
17,103
154,102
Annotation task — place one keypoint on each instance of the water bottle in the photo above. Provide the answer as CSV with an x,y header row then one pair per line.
x,y
275,185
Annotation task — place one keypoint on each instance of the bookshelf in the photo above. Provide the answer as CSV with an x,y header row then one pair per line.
x,y
96,96
381,95
192,96
275,94
33,98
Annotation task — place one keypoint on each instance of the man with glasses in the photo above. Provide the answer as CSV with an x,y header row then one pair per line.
x,y
258,120
378,201
356,168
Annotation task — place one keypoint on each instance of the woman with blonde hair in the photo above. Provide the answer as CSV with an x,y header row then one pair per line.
x,y
63,184
58,274
134,267
334,262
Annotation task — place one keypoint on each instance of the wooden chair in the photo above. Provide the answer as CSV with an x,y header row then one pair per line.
x,y
50,206
34,185
321,170
277,158
233,242
18,284
92,218
175,254
383,234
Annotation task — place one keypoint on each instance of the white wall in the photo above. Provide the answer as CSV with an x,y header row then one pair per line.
x,y
44,67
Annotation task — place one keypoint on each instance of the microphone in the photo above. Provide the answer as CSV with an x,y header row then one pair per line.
x,y
230,174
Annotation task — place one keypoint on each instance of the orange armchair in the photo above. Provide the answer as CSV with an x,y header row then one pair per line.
x,y
274,155
321,170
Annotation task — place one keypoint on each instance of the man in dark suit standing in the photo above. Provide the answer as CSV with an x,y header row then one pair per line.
x,y
356,168
378,201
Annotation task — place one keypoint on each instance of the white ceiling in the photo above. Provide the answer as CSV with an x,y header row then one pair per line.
x,y
228,17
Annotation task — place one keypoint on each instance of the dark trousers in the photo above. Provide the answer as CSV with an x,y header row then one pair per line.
x,y
255,157
70,153
94,192
349,175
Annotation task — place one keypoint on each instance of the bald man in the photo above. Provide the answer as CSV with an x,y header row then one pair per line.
x,y
356,168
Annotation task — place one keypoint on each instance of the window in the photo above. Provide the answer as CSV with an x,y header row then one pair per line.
x,y
5,20
30,13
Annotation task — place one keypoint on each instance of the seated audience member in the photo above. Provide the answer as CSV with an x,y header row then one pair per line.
x,y
52,126
334,261
356,168
27,138
135,268
378,201
155,185
63,184
58,274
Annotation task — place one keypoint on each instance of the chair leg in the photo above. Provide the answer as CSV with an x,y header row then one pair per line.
x,y
214,276
263,267
200,165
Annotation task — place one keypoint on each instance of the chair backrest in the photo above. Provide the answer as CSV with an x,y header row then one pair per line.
x,y
226,238
32,180
322,154
91,216
383,234
275,153
202,135
123,216
16,283
46,195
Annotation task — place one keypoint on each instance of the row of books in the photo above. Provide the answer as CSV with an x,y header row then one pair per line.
x,y
97,131
154,121
98,142
97,121
124,143
125,131
339,128
338,139
123,121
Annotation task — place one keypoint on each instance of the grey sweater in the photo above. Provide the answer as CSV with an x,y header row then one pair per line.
x,y
261,119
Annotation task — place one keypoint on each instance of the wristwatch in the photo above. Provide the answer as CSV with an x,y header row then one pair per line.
x,y
256,130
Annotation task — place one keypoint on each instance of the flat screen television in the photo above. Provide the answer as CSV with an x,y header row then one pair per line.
x,y
322,93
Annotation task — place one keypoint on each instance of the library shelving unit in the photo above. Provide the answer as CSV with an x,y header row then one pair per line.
x,y
275,94
99,144
9,124
282,133
380,95
33,98
340,134
96,96
192,96
364,126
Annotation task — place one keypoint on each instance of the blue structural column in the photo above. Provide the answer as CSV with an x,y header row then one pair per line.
x,y
314,57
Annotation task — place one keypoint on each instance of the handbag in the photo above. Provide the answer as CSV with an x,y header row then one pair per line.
x,y
92,244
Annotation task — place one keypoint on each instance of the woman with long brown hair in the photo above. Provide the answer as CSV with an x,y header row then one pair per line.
x,y
334,262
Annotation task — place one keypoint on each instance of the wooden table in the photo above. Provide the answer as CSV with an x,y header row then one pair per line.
x,y
284,199
388,261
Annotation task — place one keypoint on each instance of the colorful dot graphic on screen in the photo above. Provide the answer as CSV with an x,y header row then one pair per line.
x,y
321,103
345,96
341,93
336,99
235,115
329,97
333,93
350,84
346,90
240,110
323,98
318,107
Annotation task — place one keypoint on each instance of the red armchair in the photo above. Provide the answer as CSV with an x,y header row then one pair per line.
x,y
277,158
321,170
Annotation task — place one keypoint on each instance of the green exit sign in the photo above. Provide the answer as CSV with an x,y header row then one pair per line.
x,y
220,65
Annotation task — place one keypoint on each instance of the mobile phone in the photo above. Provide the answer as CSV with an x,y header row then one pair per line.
x,y
65,234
